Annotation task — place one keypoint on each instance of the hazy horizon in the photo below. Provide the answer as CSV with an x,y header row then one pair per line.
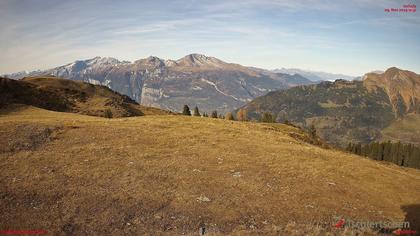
x,y
345,37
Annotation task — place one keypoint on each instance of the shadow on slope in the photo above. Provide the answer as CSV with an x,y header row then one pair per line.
x,y
412,215
62,95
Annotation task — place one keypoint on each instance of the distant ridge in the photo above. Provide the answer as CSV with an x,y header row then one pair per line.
x,y
315,75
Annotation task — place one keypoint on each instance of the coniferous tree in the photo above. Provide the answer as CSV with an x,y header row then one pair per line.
x,y
108,113
186,111
367,149
403,155
415,157
393,153
387,151
349,147
214,114
353,148
399,154
196,111
381,148
312,131
363,150
407,159
358,149
374,152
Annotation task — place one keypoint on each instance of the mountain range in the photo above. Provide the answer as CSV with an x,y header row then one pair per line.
x,y
379,107
315,75
195,80
82,174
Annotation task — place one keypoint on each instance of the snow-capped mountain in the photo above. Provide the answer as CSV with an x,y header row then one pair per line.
x,y
21,74
196,80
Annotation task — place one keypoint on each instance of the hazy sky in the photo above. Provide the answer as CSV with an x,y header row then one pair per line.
x,y
342,36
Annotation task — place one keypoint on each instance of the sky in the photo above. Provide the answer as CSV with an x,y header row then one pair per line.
x,y
351,37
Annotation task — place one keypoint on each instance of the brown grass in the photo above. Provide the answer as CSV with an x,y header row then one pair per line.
x,y
157,174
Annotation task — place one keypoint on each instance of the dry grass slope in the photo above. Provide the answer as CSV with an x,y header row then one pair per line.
x,y
57,94
88,175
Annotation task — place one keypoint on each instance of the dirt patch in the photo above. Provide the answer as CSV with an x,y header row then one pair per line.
x,y
26,137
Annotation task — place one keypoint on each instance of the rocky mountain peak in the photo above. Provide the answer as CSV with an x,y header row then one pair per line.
x,y
101,61
392,70
95,62
402,87
150,62
395,73
199,60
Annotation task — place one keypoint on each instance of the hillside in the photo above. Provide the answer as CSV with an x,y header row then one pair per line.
x,y
82,175
195,79
349,111
57,94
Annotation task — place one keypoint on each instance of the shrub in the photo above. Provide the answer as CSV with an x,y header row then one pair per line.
x,y
214,114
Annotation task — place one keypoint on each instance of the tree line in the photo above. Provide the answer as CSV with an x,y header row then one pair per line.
x,y
266,117
241,115
399,153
